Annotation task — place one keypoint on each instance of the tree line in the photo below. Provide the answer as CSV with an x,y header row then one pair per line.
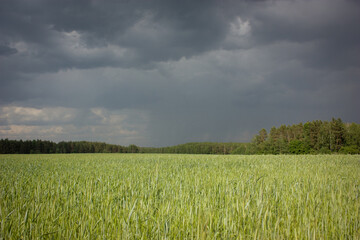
x,y
316,137
41,146
201,148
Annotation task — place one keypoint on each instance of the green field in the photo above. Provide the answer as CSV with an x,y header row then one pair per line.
x,y
151,196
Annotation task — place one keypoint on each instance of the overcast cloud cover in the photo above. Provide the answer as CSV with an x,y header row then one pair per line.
x,y
164,72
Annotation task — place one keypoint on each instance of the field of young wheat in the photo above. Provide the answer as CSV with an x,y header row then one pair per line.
x,y
152,196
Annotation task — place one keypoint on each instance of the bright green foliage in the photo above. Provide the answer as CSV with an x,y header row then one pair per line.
x,y
353,149
150,196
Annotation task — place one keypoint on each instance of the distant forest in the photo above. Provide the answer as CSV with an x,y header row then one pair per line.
x,y
312,137
316,137
40,146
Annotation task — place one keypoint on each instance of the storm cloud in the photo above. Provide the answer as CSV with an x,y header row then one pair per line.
x,y
158,73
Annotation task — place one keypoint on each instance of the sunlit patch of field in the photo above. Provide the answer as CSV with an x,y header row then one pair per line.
x,y
151,196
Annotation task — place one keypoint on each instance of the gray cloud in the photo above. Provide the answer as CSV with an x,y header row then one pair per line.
x,y
146,32
5,50
167,72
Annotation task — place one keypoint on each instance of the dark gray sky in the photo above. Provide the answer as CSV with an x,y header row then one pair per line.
x,y
164,72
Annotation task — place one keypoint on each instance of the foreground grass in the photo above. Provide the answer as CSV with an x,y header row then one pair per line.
x,y
125,196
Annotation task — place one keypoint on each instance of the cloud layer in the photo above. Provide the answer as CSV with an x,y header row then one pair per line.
x,y
157,73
